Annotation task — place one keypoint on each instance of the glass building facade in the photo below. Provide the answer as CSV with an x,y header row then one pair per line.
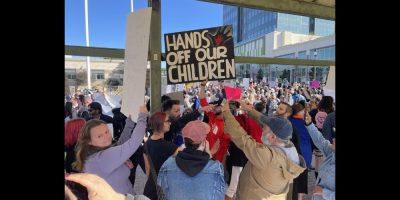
x,y
293,23
324,27
302,73
251,23
292,73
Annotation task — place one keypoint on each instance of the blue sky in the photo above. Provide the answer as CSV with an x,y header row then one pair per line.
x,y
107,19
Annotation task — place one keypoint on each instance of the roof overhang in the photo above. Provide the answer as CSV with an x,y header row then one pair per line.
x,y
324,9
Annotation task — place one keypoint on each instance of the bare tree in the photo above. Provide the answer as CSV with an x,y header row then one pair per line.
x,y
81,77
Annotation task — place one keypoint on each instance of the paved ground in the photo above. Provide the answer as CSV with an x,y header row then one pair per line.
x,y
140,181
311,183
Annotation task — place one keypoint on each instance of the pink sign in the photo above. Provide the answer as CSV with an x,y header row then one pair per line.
x,y
232,93
314,84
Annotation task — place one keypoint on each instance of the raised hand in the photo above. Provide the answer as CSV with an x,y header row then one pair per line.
x,y
98,188
308,118
318,190
143,109
204,82
208,108
129,164
225,106
244,106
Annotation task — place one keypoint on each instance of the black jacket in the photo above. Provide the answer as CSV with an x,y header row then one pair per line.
x,y
177,125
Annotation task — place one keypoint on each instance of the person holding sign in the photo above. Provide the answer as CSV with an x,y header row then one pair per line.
x,y
96,154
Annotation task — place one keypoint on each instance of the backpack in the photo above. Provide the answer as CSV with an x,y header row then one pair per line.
x,y
320,119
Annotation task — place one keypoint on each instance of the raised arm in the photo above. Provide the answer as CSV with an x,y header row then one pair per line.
x,y
193,115
327,126
202,89
259,155
113,157
127,132
250,111
316,136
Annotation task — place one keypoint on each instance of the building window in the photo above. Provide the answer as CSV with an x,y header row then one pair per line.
x,y
302,55
325,53
98,74
70,74
286,56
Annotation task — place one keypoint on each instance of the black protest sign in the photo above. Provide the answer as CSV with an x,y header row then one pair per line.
x,y
197,55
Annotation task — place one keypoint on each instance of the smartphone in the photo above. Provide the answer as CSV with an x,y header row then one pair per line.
x,y
78,190
224,101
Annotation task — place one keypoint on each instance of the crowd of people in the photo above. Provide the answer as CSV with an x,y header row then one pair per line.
x,y
260,146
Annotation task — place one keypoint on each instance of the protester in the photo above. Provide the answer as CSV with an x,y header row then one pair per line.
x,y
96,154
325,183
96,112
217,135
72,129
156,151
192,174
273,164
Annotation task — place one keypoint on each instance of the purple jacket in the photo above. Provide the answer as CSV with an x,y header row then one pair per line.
x,y
110,163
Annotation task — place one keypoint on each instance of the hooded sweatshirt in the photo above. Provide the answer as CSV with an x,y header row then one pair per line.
x,y
269,171
191,162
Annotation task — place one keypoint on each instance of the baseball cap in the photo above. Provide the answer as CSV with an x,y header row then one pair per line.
x,y
196,131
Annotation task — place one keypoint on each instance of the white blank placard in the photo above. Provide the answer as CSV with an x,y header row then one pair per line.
x,y
329,89
136,50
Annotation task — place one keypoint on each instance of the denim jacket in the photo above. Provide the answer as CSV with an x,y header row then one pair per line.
x,y
326,172
208,184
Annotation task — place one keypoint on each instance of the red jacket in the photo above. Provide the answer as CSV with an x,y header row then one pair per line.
x,y
216,132
250,126
255,130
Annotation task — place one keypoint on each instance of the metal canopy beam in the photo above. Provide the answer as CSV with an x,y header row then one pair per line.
x,y
283,61
94,51
297,7
119,53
